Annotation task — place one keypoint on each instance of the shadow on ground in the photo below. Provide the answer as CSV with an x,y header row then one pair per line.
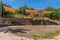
x,y
15,31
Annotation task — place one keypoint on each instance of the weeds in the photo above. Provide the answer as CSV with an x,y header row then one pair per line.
x,y
50,34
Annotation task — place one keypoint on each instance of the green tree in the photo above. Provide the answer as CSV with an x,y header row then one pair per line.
x,y
2,8
31,8
9,14
22,11
55,15
23,7
26,7
3,11
58,9
50,9
48,15
4,4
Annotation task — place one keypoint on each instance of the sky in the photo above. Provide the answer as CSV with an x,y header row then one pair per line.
x,y
37,4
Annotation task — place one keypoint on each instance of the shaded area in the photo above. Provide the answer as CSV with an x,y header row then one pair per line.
x,y
15,31
17,21
43,22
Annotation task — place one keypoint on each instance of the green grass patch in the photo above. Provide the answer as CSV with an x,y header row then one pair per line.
x,y
49,35
35,37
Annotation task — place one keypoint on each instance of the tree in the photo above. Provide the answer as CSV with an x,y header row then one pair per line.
x,y
9,14
3,11
2,8
31,8
48,15
22,11
4,4
50,9
58,9
23,7
53,15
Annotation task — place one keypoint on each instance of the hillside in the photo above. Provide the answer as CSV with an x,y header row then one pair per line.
x,y
27,11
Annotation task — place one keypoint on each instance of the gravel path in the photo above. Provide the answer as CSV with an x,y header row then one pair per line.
x,y
8,36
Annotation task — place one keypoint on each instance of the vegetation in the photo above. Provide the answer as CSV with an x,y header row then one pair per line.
x,y
45,35
31,9
3,11
50,34
53,15
35,37
4,4
4,14
26,7
21,11
18,16
50,9
9,14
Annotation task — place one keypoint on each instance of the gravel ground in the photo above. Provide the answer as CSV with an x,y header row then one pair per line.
x,y
9,36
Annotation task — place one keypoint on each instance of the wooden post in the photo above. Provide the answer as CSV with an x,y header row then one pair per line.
x,y
59,16
0,11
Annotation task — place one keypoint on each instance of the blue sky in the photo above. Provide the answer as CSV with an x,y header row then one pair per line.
x,y
37,4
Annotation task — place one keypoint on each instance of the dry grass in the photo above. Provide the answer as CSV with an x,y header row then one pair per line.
x,y
27,11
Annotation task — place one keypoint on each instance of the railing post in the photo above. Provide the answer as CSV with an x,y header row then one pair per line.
x,y
59,16
0,11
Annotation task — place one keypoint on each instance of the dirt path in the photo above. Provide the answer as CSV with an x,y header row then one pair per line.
x,y
9,36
